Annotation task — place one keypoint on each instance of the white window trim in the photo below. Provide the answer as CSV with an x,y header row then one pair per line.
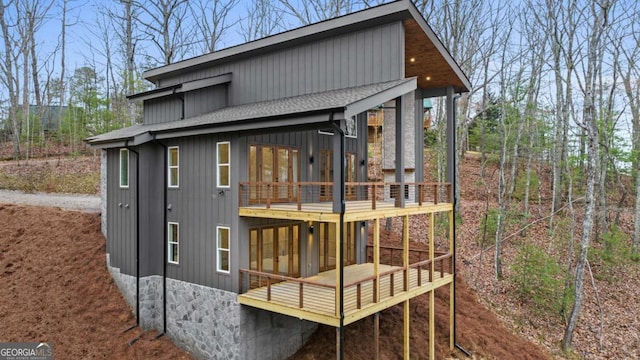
x,y
169,167
169,243
227,164
120,168
218,249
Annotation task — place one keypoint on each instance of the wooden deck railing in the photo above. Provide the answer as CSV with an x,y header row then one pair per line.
x,y
279,278
442,264
268,193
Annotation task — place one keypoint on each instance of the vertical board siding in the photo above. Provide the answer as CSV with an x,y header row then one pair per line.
x,y
205,100
120,218
360,58
162,110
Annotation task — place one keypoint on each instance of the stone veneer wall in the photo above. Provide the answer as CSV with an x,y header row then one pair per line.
x,y
210,323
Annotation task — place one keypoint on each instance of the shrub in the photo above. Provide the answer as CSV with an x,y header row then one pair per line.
x,y
614,252
538,278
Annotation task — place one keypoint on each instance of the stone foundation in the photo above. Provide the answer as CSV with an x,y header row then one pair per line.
x,y
210,323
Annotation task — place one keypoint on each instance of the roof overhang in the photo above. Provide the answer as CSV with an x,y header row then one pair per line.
x,y
299,111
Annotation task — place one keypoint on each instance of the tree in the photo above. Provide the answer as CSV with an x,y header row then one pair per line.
x,y
162,21
212,21
263,19
9,79
599,21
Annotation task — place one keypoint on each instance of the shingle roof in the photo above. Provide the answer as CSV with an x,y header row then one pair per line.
x,y
327,101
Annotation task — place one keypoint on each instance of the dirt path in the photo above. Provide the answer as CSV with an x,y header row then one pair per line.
x,y
87,203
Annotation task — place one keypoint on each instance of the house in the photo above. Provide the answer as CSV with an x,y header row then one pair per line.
x,y
237,215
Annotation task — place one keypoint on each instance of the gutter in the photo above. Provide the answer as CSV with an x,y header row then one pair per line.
x,y
164,237
341,236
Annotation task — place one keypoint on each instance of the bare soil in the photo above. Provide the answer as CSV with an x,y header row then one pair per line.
x,y
55,288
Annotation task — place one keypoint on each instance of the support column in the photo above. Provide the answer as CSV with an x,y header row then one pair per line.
x,y
406,323
452,290
376,257
400,129
432,325
405,250
451,135
376,336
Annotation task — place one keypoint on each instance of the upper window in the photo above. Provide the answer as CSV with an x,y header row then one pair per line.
x,y
223,249
224,161
124,168
174,165
173,242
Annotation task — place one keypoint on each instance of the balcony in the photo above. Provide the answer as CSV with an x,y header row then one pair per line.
x,y
313,201
368,288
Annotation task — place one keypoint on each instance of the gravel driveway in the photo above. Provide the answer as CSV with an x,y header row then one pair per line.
x,y
87,203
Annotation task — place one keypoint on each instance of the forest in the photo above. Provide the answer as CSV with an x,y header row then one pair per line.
x,y
556,92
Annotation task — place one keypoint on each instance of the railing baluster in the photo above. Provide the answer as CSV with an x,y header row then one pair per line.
x,y
420,195
358,290
375,290
430,272
391,285
404,280
373,197
299,197
435,194
419,275
269,194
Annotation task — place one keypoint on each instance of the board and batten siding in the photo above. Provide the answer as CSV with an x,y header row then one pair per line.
x,y
121,214
199,206
358,58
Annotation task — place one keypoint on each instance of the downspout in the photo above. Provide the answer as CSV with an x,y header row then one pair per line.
x,y
126,145
455,200
181,98
341,235
165,233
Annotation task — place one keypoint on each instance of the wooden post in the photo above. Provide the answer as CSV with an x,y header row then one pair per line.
x,y
405,249
338,269
376,256
451,289
432,325
406,329
431,242
376,336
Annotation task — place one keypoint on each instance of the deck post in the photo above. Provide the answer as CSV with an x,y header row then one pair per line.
x,y
376,336
406,323
399,142
376,255
405,250
431,244
432,325
452,292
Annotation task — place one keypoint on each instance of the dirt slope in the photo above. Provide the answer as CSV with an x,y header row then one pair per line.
x,y
55,288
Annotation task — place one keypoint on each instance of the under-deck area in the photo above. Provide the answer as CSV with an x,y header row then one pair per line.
x,y
314,298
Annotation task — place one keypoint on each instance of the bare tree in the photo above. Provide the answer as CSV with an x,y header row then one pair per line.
x,y
162,21
599,21
311,11
9,79
212,21
263,19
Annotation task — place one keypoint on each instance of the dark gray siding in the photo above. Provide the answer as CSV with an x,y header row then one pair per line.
x,y
358,58
121,207
162,110
202,101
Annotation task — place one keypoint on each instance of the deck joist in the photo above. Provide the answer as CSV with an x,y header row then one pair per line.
x,y
319,302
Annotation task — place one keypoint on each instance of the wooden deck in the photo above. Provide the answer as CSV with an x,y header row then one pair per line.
x,y
358,210
314,298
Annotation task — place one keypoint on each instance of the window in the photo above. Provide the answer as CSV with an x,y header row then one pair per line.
x,y
173,243
223,249
174,163
124,168
224,161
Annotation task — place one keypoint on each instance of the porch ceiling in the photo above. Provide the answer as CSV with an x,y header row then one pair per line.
x,y
424,60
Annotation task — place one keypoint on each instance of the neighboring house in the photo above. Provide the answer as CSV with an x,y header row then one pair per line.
x,y
239,211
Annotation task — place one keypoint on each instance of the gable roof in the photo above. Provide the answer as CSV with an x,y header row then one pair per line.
x,y
297,110
432,64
